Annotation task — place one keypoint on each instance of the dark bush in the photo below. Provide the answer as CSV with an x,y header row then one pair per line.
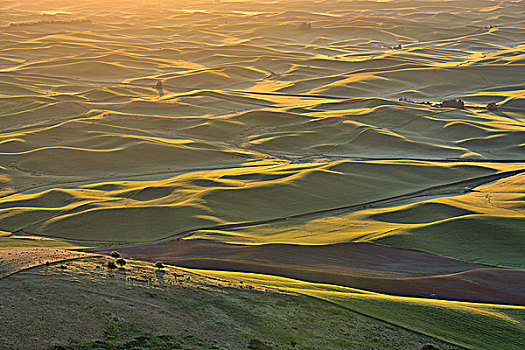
x,y
121,262
112,265
115,254
492,106
305,26
159,264
430,347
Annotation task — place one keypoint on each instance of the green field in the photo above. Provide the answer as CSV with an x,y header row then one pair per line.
x,y
347,174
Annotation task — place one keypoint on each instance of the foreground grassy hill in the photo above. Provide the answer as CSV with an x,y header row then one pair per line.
x,y
80,304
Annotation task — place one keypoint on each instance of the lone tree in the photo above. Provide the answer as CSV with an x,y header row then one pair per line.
x,y
115,254
111,265
305,26
159,264
121,262
492,106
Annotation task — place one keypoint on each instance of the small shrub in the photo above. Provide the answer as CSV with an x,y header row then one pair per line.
x,y
159,264
121,262
112,265
140,278
152,295
492,106
305,26
115,254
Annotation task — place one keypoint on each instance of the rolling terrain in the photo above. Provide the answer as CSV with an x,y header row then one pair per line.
x,y
298,147
142,307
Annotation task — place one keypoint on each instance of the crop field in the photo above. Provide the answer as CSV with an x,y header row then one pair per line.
x,y
361,160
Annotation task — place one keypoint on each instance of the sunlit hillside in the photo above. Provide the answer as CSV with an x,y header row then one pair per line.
x,y
368,155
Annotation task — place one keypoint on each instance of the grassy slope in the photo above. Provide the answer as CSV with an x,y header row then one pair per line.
x,y
472,325
83,302
157,209
492,212
491,236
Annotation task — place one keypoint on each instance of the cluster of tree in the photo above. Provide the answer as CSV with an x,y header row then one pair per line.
x,y
45,21
453,104
112,264
305,26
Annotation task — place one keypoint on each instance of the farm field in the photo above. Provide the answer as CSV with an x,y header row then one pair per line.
x,y
284,154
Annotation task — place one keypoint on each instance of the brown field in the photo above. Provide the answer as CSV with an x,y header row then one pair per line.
x,y
360,265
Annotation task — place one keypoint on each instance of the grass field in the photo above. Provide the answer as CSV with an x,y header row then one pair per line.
x,y
472,325
310,147
79,304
